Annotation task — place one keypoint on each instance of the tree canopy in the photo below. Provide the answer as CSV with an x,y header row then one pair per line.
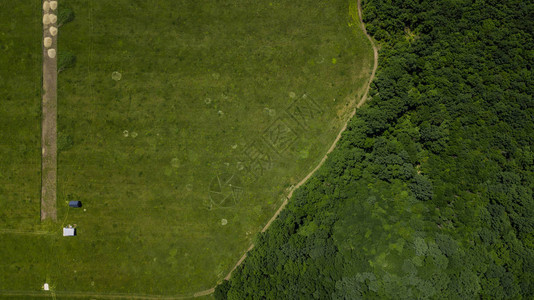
x,y
429,192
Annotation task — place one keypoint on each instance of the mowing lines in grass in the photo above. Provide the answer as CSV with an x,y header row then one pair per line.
x,y
225,190
303,110
276,139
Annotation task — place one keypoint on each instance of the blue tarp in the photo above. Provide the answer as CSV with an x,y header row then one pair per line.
x,y
75,203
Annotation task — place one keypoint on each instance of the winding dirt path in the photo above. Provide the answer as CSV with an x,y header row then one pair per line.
x,y
49,124
338,137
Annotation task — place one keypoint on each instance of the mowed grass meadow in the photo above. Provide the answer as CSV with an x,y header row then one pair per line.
x,y
182,126
20,111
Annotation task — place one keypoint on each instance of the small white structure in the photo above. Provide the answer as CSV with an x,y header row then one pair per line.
x,y
46,287
69,231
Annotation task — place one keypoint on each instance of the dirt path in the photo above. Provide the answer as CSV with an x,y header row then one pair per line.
x,y
49,127
305,179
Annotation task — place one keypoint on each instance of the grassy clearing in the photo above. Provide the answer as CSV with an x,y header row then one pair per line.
x,y
20,73
249,92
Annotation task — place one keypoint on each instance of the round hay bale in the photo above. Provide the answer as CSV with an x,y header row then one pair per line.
x,y
46,6
53,5
47,42
52,53
46,19
53,31
53,18
224,222
116,76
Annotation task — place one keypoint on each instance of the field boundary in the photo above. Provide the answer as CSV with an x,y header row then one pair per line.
x,y
95,295
16,231
363,99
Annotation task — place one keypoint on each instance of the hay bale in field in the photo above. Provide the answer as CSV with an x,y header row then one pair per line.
x,y
47,42
53,18
46,6
51,53
116,76
53,5
53,31
46,19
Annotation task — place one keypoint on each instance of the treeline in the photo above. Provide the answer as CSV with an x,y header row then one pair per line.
x,y
429,192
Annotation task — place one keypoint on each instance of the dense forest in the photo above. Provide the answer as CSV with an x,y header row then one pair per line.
x,y
429,192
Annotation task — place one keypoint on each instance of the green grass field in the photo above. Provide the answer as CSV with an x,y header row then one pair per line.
x,y
20,104
220,108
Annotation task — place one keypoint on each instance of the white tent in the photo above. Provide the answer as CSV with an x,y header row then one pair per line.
x,y
69,231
